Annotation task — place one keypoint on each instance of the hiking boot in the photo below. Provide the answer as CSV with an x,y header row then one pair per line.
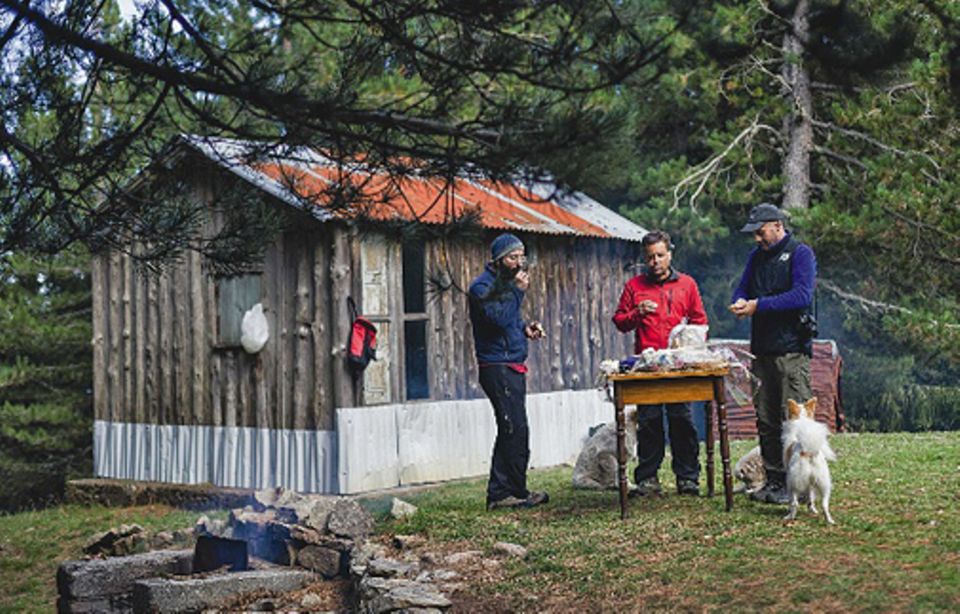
x,y
688,487
649,487
507,502
772,492
535,498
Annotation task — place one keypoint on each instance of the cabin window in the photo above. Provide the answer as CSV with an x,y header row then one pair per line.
x,y
415,321
235,295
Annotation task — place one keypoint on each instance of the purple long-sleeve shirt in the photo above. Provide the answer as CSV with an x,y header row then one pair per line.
x,y
803,271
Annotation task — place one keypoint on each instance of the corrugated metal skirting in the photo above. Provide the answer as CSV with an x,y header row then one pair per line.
x,y
412,443
240,457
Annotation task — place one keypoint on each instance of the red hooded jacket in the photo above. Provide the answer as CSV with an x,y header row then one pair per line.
x,y
677,297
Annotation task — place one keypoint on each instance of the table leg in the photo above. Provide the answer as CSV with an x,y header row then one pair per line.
x,y
718,394
621,449
710,443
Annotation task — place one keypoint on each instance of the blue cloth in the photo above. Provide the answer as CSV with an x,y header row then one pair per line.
x,y
495,315
803,270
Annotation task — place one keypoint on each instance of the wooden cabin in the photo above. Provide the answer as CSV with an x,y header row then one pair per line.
x,y
177,398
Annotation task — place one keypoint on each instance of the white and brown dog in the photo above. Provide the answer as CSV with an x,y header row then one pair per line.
x,y
805,455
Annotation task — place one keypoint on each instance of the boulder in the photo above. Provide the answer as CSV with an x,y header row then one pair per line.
x,y
401,509
349,519
325,561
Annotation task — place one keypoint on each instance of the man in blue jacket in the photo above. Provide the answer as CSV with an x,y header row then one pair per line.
x,y
776,291
500,340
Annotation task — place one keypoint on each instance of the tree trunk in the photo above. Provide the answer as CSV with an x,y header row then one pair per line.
x,y
797,124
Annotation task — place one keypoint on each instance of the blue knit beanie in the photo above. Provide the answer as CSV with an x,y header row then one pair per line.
x,y
503,245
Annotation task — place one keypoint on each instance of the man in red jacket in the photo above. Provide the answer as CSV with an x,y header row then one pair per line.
x,y
651,304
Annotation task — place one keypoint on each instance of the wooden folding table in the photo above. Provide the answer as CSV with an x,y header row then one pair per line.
x,y
682,386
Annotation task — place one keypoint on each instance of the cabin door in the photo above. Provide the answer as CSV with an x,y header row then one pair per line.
x,y
380,263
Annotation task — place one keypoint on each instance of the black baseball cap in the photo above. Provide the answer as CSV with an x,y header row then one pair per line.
x,y
761,214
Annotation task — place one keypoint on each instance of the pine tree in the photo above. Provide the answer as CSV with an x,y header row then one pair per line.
x,y
45,377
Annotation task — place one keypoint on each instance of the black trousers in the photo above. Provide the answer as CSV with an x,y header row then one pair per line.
x,y
507,392
683,441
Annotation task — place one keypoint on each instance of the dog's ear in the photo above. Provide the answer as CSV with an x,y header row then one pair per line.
x,y
811,407
793,410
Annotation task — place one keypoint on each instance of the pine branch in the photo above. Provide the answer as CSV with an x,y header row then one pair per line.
x,y
876,305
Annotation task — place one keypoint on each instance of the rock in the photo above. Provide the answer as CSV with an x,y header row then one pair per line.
x,y
389,568
408,596
462,557
307,535
444,574
266,498
510,550
217,527
406,542
311,601
349,519
369,586
361,555
162,540
322,560
196,594
402,509
102,577
318,512
118,541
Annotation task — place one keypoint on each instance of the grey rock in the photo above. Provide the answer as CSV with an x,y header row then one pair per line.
x,y
162,540
462,557
322,560
510,550
192,594
307,535
311,601
389,568
103,577
319,512
401,509
369,586
266,497
405,596
363,554
349,519
117,541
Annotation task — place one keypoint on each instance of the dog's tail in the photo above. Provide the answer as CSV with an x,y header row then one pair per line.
x,y
813,438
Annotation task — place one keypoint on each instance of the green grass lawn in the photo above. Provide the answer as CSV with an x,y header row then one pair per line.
x,y
896,546
33,544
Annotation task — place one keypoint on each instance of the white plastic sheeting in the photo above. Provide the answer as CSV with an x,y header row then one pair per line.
x,y
241,457
393,445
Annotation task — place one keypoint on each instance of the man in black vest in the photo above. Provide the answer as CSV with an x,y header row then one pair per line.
x,y
776,290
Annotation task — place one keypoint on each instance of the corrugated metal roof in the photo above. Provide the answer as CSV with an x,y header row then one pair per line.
x,y
308,180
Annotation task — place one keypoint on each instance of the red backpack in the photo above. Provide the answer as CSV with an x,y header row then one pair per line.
x,y
362,346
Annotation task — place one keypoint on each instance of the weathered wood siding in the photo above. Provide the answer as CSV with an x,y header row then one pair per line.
x,y
155,339
575,285
155,336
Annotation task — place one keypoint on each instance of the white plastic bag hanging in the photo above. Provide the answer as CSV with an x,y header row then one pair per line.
x,y
254,331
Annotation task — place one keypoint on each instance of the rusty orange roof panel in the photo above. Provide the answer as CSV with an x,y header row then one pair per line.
x,y
307,179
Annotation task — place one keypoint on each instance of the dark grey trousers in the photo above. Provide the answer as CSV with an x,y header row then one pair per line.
x,y
683,441
779,378
507,391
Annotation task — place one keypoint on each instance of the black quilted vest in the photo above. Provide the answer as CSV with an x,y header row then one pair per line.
x,y
776,332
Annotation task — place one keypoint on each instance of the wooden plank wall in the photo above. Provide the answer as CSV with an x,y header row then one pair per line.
x,y
156,359
575,286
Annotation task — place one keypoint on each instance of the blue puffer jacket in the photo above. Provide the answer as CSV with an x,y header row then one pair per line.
x,y
495,314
